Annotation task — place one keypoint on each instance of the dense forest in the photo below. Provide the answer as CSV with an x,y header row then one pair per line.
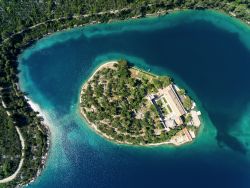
x,y
18,15
24,22
10,145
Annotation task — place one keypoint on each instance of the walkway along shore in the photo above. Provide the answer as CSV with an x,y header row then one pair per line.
x,y
36,108
13,176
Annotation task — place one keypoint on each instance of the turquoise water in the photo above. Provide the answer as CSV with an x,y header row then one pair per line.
x,y
206,53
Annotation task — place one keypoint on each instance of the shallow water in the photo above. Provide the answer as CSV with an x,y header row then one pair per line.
x,y
205,52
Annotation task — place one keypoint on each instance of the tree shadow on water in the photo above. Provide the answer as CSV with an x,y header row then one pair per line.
x,y
223,123
231,141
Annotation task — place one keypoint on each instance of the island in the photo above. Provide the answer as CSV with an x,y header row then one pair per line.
x,y
131,106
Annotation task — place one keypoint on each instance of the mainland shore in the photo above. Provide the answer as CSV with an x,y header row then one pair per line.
x,y
46,122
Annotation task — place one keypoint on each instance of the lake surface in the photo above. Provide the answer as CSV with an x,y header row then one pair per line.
x,y
205,52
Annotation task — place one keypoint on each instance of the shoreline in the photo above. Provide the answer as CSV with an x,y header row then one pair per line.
x,y
137,17
109,138
103,65
94,128
153,15
160,12
45,123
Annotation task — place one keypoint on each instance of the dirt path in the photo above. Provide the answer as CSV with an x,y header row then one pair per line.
x,y
13,176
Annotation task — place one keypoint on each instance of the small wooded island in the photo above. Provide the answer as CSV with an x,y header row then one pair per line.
x,y
131,106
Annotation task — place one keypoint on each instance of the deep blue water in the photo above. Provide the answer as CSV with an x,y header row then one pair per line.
x,y
205,52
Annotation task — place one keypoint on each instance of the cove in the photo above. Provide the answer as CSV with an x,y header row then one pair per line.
x,y
207,53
